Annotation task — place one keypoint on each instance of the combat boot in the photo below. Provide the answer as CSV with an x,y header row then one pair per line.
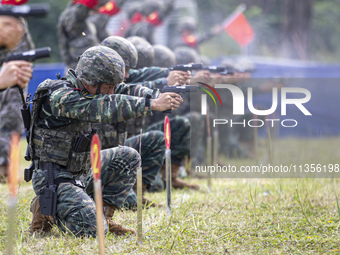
x,y
40,223
146,202
3,173
175,181
114,228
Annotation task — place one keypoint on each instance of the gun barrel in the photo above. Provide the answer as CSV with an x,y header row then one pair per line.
x,y
188,67
180,89
215,69
39,10
30,55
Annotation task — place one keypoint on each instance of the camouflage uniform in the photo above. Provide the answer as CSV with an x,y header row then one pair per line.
x,y
10,102
69,112
75,33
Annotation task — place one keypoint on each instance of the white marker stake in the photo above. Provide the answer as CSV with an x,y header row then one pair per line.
x,y
139,196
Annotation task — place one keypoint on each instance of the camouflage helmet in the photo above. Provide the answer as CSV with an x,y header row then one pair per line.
x,y
124,48
186,55
145,51
100,64
187,23
205,60
164,57
150,6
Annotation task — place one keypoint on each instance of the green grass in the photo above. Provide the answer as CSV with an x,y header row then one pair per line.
x,y
238,216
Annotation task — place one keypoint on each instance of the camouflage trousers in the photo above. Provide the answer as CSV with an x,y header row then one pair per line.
x,y
180,137
153,153
10,120
76,209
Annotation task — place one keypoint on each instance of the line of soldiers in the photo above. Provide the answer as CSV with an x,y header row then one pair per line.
x,y
113,87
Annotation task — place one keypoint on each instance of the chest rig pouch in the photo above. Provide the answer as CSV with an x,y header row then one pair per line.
x,y
111,135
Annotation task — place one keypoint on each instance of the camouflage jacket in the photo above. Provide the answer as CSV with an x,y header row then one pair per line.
x,y
70,104
147,74
63,114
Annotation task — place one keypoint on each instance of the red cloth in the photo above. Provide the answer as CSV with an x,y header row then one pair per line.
x,y
14,2
137,17
190,40
240,30
154,19
109,8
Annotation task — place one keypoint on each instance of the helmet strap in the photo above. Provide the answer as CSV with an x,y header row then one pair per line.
x,y
98,88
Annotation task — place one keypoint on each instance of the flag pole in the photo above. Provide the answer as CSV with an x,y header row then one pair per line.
x,y
239,9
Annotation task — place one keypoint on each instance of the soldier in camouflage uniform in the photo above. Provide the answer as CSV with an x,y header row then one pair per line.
x,y
187,36
180,126
75,31
65,114
10,99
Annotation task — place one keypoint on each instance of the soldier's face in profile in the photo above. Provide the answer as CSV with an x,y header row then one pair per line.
x,y
105,88
127,69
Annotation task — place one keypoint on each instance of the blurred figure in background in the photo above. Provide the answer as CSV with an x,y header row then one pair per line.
x,y
75,31
146,17
187,34
14,36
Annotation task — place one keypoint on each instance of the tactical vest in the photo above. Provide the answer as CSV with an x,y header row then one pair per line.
x,y
111,135
69,145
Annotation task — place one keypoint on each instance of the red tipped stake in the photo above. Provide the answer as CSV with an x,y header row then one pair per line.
x,y
96,169
167,134
13,181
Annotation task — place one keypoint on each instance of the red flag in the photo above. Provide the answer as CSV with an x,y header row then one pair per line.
x,y
14,2
109,8
240,30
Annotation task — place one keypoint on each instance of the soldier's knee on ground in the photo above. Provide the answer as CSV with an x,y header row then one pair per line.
x,y
76,211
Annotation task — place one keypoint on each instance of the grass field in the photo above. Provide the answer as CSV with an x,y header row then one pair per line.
x,y
238,216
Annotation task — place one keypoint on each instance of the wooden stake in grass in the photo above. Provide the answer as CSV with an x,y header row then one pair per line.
x,y
139,196
209,151
13,181
96,168
167,164
215,139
